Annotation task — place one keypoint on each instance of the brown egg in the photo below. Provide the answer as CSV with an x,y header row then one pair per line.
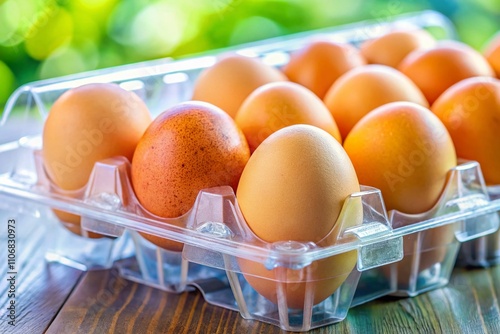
x,y
404,150
85,125
470,110
187,148
319,64
391,48
492,53
279,104
293,188
435,70
228,82
365,88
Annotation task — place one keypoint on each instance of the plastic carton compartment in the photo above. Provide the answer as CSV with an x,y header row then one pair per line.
x,y
484,251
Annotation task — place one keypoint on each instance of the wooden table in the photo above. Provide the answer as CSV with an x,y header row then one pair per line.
x,y
54,298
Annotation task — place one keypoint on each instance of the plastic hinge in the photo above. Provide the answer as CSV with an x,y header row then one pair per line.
x,y
375,254
477,226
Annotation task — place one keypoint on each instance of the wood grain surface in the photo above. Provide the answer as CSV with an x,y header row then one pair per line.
x,y
41,288
103,302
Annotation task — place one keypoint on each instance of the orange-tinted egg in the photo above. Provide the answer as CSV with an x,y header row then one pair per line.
x,y
435,70
365,88
391,48
85,125
187,148
470,110
319,64
280,104
228,82
404,150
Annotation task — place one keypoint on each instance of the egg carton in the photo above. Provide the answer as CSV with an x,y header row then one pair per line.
x,y
294,285
216,239
161,84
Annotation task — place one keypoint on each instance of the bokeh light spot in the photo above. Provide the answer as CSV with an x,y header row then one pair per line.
x,y
6,83
158,29
10,20
48,31
467,19
255,28
66,60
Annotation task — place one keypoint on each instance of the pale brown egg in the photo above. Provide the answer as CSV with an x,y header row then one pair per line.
x,y
317,65
85,125
227,83
391,48
365,88
404,150
279,104
470,110
189,147
436,69
293,189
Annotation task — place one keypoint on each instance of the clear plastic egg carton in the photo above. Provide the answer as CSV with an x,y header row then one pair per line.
x,y
286,283
161,84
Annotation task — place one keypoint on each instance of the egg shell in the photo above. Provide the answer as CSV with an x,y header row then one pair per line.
x,y
85,125
293,188
470,110
231,79
404,150
317,65
276,105
365,88
435,70
391,48
189,147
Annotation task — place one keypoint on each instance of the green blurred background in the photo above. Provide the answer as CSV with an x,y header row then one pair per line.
x,y
47,38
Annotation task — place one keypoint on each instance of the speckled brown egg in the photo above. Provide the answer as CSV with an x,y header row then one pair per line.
x,y
189,147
